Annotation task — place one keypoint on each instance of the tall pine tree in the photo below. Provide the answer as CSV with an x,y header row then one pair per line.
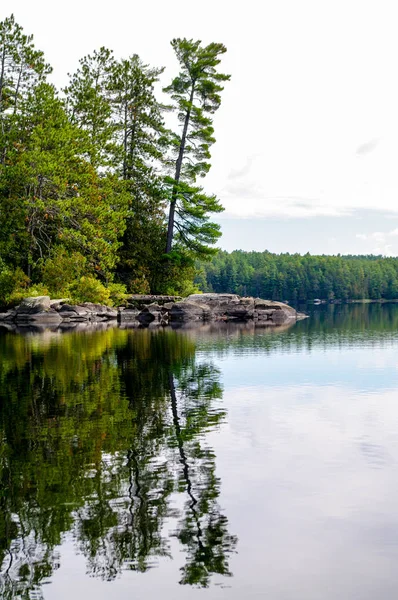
x,y
196,95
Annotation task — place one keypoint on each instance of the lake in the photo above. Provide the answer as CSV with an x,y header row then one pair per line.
x,y
224,461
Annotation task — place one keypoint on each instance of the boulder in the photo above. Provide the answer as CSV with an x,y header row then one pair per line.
x,y
275,313
30,306
189,311
99,310
88,311
58,302
73,312
8,316
142,300
35,311
153,313
226,307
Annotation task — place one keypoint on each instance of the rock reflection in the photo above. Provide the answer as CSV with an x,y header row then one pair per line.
x,y
99,432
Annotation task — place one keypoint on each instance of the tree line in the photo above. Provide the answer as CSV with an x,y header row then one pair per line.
x,y
297,278
97,195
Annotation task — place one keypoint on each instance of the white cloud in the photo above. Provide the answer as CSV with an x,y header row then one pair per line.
x,y
378,236
367,147
297,106
381,238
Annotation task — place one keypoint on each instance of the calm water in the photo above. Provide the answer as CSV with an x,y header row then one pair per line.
x,y
214,462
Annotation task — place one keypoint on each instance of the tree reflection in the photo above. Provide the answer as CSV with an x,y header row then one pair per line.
x,y
202,528
98,431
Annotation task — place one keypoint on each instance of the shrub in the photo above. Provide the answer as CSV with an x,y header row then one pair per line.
x,y
14,285
118,293
89,289
62,269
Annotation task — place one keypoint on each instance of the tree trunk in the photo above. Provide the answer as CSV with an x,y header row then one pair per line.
x,y
2,78
170,227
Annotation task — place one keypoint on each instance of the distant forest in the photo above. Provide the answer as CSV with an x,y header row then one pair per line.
x,y
297,278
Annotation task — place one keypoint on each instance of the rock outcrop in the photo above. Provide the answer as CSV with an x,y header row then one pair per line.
x,y
145,309
153,311
42,310
211,307
231,307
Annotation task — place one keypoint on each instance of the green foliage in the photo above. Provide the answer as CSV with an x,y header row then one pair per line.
x,y
89,289
176,273
195,93
300,278
117,293
89,104
85,180
14,286
62,268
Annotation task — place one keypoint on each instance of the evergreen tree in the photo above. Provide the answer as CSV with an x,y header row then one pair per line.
x,y
89,104
22,67
50,195
196,95
138,118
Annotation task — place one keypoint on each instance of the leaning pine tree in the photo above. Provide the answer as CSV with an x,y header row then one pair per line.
x,y
196,94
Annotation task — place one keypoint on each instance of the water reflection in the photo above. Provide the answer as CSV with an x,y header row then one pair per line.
x,y
108,466
103,436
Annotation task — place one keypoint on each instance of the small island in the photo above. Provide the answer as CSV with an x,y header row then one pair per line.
x,y
155,310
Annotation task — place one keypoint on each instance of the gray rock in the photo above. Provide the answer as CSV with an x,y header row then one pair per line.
x,y
153,313
58,302
107,312
226,307
189,311
141,300
211,298
102,313
68,310
168,305
29,306
8,316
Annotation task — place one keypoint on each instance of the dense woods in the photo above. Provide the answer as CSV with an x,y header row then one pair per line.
x,y
98,196
300,278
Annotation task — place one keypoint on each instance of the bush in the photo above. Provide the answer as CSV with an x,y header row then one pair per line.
x,y
14,285
118,293
89,289
62,269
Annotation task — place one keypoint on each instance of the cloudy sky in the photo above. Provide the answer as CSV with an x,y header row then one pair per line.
x,y
307,136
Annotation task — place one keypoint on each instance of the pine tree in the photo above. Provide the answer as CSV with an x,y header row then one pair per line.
x,y
51,195
138,117
196,95
89,104
22,68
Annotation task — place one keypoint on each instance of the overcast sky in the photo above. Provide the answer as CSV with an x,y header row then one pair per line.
x,y
306,157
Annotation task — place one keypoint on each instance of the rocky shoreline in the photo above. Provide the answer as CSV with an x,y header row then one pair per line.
x,y
152,310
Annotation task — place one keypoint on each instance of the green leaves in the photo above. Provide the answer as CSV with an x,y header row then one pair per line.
x,y
89,103
94,171
196,95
